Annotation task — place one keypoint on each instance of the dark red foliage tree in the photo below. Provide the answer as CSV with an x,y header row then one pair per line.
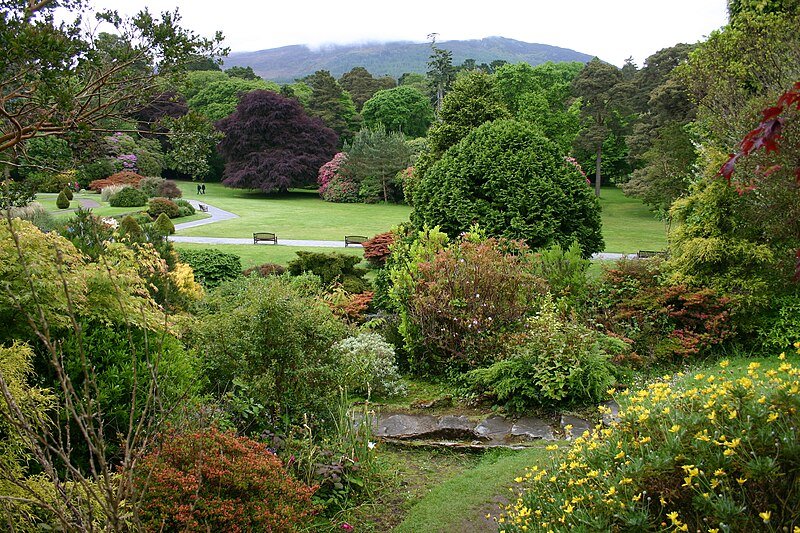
x,y
272,144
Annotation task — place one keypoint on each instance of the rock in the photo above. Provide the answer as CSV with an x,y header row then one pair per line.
x,y
456,427
579,426
401,426
493,428
613,416
529,428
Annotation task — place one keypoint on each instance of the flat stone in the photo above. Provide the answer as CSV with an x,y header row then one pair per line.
x,y
529,428
402,426
493,428
456,427
613,416
579,426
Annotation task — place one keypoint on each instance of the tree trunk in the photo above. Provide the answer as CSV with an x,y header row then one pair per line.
x,y
597,177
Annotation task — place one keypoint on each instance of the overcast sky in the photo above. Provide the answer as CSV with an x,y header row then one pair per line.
x,y
610,29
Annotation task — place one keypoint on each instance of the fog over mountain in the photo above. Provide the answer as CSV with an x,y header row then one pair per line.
x,y
288,63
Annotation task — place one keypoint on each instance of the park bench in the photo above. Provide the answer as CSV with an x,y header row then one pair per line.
x,y
353,239
203,208
644,254
264,236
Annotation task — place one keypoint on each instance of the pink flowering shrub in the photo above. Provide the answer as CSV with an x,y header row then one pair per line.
x,y
334,185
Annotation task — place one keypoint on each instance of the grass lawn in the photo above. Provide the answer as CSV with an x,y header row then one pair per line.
x,y
48,201
628,225
293,215
265,253
462,502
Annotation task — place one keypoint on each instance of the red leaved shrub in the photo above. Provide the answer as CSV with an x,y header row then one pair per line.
x,y
661,321
376,249
215,481
125,177
470,306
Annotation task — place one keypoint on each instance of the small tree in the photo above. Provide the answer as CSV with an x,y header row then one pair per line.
x,y
164,225
62,202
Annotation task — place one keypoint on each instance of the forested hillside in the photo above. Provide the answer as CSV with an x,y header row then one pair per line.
x,y
289,63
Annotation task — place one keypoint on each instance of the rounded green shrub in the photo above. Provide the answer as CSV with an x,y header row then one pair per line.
x,y
274,343
159,205
62,202
212,267
128,197
164,225
68,193
513,182
130,229
560,363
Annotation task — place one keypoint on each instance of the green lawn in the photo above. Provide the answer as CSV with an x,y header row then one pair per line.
x,y
628,225
462,502
293,215
253,255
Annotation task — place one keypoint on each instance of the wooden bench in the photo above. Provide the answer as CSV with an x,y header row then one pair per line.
x,y
264,236
203,208
354,239
644,254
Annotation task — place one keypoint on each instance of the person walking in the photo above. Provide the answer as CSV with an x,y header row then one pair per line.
x,y
204,188
199,189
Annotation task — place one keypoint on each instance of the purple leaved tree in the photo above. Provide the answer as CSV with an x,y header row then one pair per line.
x,y
271,143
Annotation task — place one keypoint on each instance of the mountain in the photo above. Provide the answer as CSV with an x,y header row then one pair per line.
x,y
288,63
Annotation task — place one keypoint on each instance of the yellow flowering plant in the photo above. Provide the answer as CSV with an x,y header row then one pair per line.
x,y
716,451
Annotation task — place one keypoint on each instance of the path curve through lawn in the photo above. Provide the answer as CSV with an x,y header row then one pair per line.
x,y
88,204
218,214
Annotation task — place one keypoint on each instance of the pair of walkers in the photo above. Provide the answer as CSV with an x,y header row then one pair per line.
x,y
201,188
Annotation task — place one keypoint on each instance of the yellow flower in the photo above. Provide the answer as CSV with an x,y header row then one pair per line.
x,y
675,428
724,363
741,480
765,516
772,417
552,447
719,472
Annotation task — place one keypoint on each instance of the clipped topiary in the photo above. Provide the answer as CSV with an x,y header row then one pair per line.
x,y
68,193
159,205
130,229
62,202
128,197
164,225
515,183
